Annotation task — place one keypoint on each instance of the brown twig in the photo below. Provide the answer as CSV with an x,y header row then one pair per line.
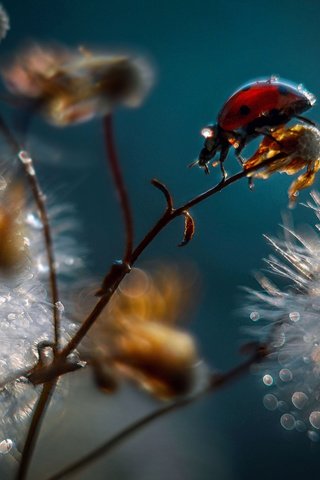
x,y
115,276
34,429
120,186
217,381
48,388
39,199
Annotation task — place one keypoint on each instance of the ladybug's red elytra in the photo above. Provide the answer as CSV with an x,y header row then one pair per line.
x,y
253,110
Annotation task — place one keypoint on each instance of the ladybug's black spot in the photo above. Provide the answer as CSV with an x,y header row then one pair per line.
x,y
283,90
244,110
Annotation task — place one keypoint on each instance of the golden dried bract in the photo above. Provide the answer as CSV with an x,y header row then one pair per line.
x,y
293,148
159,357
12,245
73,87
138,336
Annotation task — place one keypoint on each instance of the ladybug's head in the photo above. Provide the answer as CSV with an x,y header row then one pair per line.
x,y
211,145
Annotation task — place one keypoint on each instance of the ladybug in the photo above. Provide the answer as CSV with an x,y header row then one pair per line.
x,y
253,110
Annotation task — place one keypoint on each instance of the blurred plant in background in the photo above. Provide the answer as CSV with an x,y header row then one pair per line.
x,y
128,325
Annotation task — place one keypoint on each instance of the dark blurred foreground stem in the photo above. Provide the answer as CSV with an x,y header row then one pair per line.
x,y
217,381
34,429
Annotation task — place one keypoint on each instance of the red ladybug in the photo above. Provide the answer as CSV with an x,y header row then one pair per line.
x,y
251,111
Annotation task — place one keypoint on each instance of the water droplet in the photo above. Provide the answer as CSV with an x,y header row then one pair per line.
x,y
299,400
254,316
26,241
294,316
69,261
300,426
267,380
287,421
5,446
3,183
34,221
308,338
72,328
270,401
313,436
282,406
285,375
314,419
279,340
59,306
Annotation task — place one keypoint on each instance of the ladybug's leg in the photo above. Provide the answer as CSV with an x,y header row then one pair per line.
x,y
239,149
223,156
267,133
242,160
306,120
250,183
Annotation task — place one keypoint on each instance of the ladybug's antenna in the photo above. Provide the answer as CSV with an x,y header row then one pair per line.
x,y
193,164
205,166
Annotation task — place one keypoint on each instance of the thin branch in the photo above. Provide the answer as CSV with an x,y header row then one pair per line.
x,y
48,388
120,186
217,381
39,199
34,429
113,279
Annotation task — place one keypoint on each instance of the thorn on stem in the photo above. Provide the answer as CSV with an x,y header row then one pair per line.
x,y
160,186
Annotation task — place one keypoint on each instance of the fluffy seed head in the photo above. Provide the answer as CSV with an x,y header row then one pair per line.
x,y
290,316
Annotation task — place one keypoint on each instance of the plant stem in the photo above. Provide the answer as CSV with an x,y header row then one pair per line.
x,y
119,184
48,388
39,199
217,381
34,429
113,279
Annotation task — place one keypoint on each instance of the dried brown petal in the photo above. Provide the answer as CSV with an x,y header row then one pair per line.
x,y
189,229
292,148
158,357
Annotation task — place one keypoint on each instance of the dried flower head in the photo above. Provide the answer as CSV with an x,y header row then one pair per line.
x,y
138,338
293,148
291,319
72,87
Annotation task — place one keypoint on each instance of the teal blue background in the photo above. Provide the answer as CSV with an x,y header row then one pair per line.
x,y
202,51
